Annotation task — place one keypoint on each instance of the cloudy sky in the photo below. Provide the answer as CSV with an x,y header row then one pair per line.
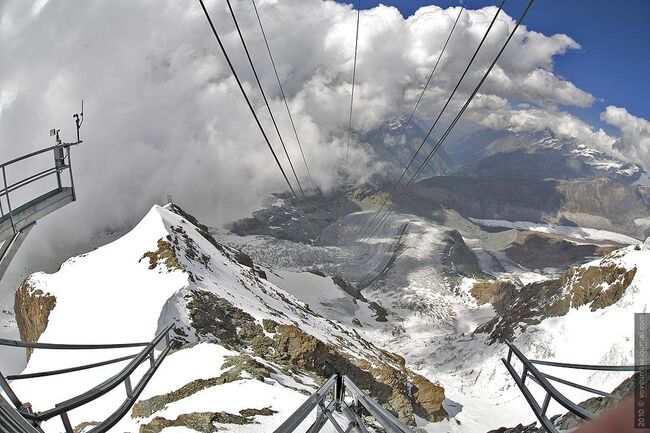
x,y
164,115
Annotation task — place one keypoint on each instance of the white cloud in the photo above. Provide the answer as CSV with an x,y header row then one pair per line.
x,y
164,116
634,143
536,119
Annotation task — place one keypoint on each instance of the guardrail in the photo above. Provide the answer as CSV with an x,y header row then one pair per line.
x,y
123,377
529,370
19,214
62,162
330,398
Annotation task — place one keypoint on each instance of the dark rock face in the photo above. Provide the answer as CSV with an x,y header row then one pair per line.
x,y
493,197
536,251
298,222
355,292
519,429
596,286
32,308
458,258
348,288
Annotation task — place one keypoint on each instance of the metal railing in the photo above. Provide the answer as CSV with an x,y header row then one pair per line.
x,y
123,377
529,370
18,217
62,163
330,399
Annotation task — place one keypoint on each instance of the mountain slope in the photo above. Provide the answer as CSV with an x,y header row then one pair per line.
x,y
236,335
437,278
538,155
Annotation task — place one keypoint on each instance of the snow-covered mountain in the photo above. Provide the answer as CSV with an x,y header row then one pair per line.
x,y
539,155
246,352
395,143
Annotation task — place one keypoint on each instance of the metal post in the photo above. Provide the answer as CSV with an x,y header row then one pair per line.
x,y
129,388
74,191
320,421
152,359
11,215
509,355
524,374
4,385
58,164
547,400
66,423
339,391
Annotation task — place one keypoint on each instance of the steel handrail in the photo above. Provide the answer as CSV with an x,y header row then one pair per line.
x,y
37,152
540,413
339,384
53,346
132,398
106,386
70,369
590,367
546,385
27,181
582,387
385,418
291,423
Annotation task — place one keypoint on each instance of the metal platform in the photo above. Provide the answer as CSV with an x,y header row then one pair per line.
x,y
17,221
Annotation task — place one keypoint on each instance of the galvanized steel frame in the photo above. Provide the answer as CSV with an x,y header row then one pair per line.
x,y
330,399
123,377
529,370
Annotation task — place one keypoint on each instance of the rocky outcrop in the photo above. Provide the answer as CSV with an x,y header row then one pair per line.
x,y
385,377
458,258
491,292
355,292
235,365
204,422
32,308
164,255
520,428
84,426
517,308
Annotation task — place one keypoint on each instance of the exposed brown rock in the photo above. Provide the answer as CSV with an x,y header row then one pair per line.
x,y
488,292
165,254
84,425
203,422
32,307
596,286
